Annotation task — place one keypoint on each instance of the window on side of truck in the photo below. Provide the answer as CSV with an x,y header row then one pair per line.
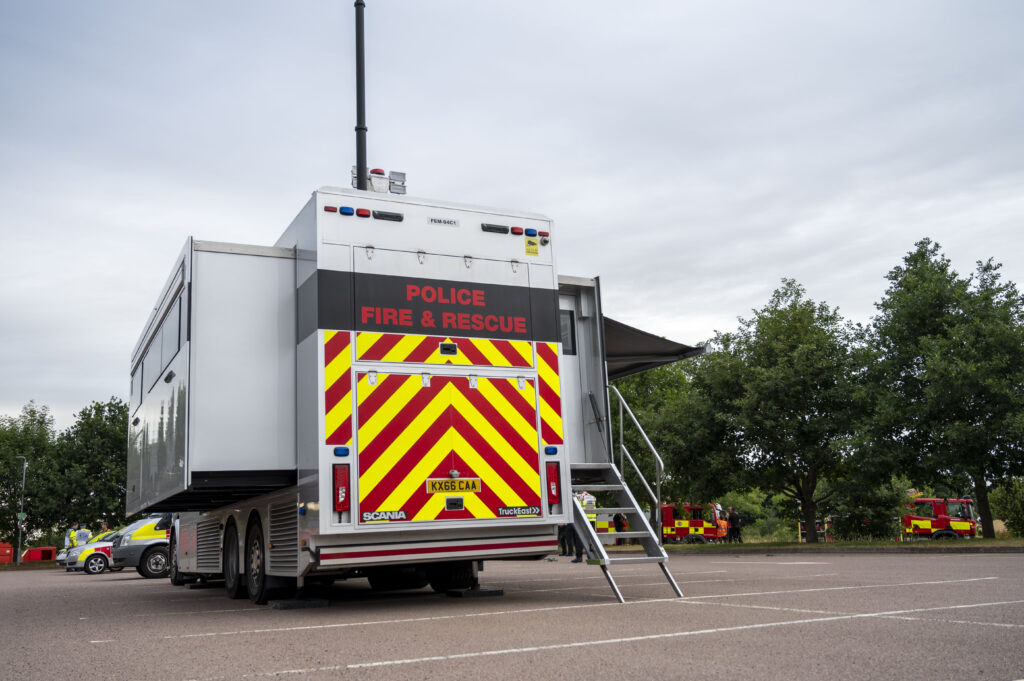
x,y
170,332
136,396
567,326
151,362
924,508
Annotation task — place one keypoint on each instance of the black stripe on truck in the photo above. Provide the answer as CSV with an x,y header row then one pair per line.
x,y
392,304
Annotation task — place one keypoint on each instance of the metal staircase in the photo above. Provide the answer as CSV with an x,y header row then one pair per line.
x,y
605,479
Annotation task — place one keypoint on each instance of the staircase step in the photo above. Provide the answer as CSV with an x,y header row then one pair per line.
x,y
597,488
626,561
589,466
623,535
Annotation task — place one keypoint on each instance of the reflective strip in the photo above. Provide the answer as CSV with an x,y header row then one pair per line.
x,y
337,388
549,387
399,347
409,432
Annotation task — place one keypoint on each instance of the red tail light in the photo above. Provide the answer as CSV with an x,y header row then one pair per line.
x,y
554,483
341,502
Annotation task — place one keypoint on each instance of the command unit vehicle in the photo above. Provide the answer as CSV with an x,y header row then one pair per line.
x,y
398,389
934,518
690,523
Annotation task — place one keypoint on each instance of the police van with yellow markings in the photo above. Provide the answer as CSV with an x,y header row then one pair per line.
x,y
92,558
143,546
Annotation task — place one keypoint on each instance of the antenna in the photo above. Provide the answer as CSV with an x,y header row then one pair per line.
x,y
361,172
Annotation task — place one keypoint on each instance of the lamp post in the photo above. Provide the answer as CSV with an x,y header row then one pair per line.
x,y
21,509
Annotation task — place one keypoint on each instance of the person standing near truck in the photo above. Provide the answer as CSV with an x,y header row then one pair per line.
x,y
734,526
70,536
721,529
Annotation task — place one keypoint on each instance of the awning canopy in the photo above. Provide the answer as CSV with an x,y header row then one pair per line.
x,y
630,351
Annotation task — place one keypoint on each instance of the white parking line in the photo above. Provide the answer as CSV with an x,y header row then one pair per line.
x,y
767,562
653,637
845,588
437,618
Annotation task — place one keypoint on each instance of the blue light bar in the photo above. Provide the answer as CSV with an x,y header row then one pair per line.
x,y
531,232
341,451
551,450
347,210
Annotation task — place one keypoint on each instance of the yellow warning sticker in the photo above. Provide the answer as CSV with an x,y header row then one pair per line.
x,y
532,246
465,485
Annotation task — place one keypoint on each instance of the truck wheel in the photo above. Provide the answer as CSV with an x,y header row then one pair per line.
x,y
232,579
172,560
255,564
446,576
694,539
95,564
154,562
396,577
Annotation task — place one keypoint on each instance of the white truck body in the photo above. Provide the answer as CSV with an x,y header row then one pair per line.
x,y
404,355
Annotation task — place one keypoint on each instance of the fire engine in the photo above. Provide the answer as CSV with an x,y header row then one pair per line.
x,y
398,389
690,523
934,518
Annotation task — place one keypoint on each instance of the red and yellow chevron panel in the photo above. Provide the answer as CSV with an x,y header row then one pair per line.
x,y
411,433
337,388
399,347
550,394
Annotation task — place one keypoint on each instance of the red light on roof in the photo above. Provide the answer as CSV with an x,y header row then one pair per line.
x,y
517,230
331,209
363,212
543,233
376,171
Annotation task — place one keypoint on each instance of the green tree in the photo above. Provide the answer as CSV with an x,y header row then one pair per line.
x,y
30,434
95,449
1008,504
784,386
949,403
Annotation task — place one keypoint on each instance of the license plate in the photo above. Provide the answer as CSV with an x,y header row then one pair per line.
x,y
454,485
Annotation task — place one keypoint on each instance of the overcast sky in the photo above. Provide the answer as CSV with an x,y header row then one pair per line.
x,y
691,153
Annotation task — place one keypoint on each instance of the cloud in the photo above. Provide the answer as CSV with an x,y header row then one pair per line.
x,y
691,154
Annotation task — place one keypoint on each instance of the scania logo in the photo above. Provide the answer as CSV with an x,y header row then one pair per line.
x,y
383,515
448,222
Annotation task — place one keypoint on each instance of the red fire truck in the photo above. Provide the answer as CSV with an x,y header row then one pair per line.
x,y
935,518
690,523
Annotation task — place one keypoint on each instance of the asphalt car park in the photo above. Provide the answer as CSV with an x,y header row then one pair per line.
x,y
834,616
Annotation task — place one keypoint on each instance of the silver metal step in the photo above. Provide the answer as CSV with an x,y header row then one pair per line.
x,y
605,477
597,488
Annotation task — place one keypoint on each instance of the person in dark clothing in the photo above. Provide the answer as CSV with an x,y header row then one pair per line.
x,y
619,521
734,526
564,542
575,545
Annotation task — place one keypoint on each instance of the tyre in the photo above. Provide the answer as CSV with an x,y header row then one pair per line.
x,y
172,562
154,562
446,576
138,568
255,564
232,578
694,539
95,564
396,578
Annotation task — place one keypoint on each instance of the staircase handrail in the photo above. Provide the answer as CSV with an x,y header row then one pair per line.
x,y
659,464
650,492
